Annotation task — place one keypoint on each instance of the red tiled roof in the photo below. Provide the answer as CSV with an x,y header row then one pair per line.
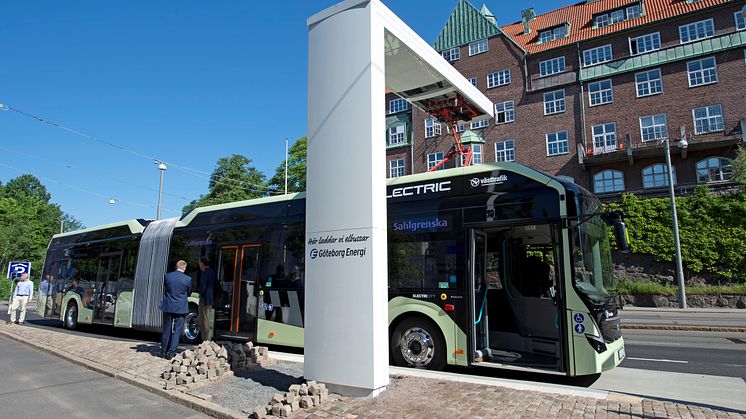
x,y
580,17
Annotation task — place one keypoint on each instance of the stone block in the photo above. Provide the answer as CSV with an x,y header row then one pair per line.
x,y
315,400
223,353
285,411
295,406
303,391
277,398
170,385
313,389
323,395
295,388
259,413
192,371
276,409
263,351
187,354
183,369
306,402
290,397
212,373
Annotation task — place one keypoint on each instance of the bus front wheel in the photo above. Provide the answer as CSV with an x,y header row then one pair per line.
x,y
71,316
418,343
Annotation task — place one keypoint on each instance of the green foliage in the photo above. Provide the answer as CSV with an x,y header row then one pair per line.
x,y
654,288
234,179
27,223
712,231
296,169
739,166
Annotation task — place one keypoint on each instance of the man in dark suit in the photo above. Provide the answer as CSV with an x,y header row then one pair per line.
x,y
206,287
175,306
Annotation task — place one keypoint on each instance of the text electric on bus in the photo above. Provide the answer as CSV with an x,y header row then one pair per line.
x,y
492,265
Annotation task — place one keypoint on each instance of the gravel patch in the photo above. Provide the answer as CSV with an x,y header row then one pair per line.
x,y
253,388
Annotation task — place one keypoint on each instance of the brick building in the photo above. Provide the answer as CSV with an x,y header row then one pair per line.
x,y
588,91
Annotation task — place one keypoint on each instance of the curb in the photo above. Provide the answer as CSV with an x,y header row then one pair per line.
x,y
686,328
194,403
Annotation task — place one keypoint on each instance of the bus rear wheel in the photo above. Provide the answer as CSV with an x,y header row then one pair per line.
x,y
191,328
418,343
71,316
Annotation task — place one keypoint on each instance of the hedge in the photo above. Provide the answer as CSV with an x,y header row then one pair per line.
x,y
712,230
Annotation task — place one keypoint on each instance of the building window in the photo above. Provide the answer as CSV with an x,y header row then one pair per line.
x,y
553,66
451,55
740,20
708,119
478,47
600,93
604,138
649,83
476,155
432,128
597,55
702,72
553,34
644,43
433,159
499,78
656,176
473,81
654,127
554,102
504,112
482,123
616,16
608,181
398,105
714,169
396,168
396,134
696,30
557,143
505,150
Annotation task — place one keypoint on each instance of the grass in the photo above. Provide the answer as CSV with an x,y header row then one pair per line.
x,y
628,287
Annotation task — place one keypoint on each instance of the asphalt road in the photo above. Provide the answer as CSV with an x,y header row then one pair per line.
x,y
710,353
37,385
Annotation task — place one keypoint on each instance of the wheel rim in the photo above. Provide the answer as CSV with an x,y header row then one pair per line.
x,y
417,347
71,315
191,329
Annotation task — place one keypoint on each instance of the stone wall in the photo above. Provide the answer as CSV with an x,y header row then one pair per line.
x,y
696,301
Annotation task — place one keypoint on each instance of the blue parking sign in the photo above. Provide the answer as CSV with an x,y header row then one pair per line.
x,y
16,269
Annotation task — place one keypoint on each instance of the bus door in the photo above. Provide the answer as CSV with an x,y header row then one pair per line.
x,y
235,291
105,293
478,291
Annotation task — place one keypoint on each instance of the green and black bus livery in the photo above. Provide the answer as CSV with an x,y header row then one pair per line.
x,y
489,265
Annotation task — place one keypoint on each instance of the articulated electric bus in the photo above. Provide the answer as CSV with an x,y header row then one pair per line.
x,y
489,265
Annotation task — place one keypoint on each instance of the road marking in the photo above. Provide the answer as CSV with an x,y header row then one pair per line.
x,y
675,361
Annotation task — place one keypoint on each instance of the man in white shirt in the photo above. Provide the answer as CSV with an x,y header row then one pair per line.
x,y
23,292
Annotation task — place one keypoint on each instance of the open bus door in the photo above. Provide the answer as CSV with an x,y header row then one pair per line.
x,y
235,291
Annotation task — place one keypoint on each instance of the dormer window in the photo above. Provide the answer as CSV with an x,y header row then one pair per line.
x,y
552,34
616,16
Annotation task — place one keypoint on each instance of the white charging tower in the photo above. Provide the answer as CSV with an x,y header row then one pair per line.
x,y
358,51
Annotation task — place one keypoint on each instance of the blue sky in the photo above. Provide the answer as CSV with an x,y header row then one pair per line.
x,y
186,82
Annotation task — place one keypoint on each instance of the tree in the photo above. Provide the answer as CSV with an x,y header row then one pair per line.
x,y
739,166
234,179
27,185
296,169
70,223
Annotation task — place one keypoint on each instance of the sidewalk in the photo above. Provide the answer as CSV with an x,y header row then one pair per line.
x,y
691,319
406,396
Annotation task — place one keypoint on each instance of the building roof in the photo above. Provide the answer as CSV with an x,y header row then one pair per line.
x,y
466,24
580,18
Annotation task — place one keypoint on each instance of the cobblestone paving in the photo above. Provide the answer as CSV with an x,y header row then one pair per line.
x,y
405,397
413,397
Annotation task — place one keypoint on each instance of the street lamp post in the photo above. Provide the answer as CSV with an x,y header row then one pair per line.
x,y
161,168
674,218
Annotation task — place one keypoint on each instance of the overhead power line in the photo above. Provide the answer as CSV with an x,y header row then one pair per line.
x,y
194,172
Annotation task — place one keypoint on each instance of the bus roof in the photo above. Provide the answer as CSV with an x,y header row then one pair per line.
x,y
137,226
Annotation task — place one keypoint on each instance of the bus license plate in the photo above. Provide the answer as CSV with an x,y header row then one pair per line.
x,y
621,353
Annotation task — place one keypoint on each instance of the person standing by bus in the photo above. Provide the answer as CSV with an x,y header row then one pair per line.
x,y
206,287
176,290
24,291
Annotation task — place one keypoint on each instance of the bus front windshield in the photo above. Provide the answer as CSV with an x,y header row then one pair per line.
x,y
592,269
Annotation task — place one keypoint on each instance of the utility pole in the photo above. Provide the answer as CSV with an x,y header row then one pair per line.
x,y
162,168
286,165
674,218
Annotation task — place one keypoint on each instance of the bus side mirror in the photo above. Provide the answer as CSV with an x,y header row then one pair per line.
x,y
614,219
621,235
